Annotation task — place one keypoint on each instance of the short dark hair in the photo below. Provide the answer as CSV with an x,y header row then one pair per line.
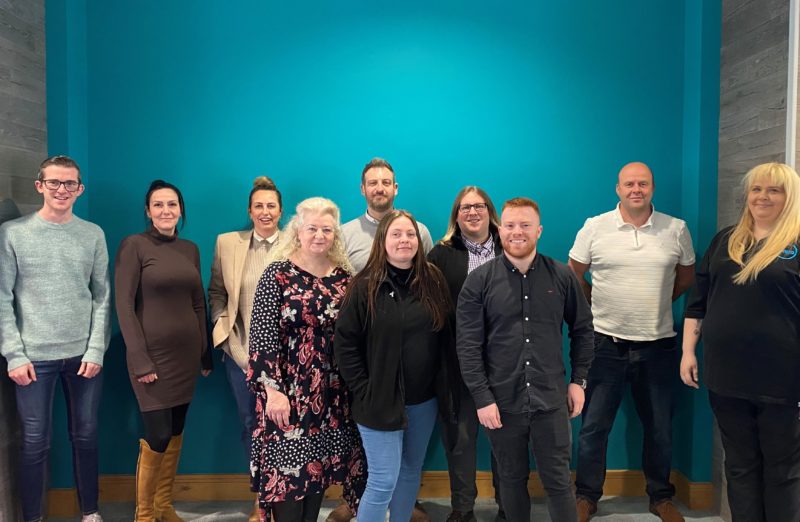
x,y
374,163
59,161
158,185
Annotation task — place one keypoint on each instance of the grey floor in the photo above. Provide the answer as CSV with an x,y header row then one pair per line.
x,y
612,509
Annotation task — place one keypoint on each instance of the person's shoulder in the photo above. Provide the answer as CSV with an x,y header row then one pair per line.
x,y
88,226
234,236
487,268
667,221
423,229
352,225
16,224
554,264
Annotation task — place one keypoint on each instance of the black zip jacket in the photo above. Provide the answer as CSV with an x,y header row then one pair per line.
x,y
369,356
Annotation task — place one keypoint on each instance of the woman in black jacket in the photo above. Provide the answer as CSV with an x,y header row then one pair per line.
x,y
470,241
392,339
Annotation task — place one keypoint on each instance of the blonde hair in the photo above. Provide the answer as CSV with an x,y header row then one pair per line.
x,y
787,226
288,242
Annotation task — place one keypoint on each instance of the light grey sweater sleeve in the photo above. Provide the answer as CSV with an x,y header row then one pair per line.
x,y
11,346
100,287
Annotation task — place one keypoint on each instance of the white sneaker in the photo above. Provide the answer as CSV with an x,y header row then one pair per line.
x,y
94,517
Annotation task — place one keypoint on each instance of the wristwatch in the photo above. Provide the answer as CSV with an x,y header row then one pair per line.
x,y
580,382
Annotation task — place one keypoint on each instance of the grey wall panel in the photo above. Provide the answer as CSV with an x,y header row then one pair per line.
x,y
23,145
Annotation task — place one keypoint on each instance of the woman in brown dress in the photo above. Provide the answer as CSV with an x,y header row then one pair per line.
x,y
162,314
305,438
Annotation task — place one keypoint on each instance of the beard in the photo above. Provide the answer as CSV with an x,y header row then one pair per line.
x,y
381,206
518,251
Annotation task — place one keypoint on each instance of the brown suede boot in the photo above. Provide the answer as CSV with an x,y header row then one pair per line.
x,y
255,515
162,504
147,468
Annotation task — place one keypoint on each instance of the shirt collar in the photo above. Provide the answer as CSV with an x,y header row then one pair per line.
x,y
508,264
271,239
479,248
371,219
622,224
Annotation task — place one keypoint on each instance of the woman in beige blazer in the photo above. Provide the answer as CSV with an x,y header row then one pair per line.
x,y
240,257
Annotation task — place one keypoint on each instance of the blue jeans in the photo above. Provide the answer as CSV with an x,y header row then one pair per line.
x,y
652,369
35,407
245,402
394,463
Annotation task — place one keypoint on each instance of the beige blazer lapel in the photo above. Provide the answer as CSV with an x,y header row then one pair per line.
x,y
240,249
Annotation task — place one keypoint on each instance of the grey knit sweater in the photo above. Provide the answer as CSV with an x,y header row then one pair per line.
x,y
55,293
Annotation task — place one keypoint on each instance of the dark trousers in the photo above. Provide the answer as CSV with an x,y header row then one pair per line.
x,y
35,407
762,458
550,439
651,368
460,442
245,402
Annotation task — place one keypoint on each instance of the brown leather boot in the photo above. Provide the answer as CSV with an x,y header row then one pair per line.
x,y
147,468
162,504
666,511
586,508
255,515
340,513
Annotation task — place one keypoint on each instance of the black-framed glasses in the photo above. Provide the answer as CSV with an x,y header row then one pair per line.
x,y
478,207
54,184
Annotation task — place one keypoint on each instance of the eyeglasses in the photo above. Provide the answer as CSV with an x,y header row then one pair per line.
x,y
478,207
54,184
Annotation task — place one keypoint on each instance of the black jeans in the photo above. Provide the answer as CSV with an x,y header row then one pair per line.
x,y
550,438
762,458
460,442
652,370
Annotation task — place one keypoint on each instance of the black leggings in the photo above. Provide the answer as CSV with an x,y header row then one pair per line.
x,y
306,510
162,425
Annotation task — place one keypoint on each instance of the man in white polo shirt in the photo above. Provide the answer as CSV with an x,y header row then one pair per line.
x,y
640,261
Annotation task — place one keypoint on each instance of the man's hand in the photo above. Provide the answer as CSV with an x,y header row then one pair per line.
x,y
689,370
489,417
23,375
147,379
278,408
205,373
575,399
89,370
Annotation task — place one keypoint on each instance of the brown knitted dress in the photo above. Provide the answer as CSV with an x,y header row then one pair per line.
x,y
162,314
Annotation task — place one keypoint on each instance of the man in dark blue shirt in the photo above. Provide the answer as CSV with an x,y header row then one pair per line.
x,y
510,316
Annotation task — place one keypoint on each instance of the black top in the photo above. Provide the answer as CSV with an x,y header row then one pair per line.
x,y
751,331
453,261
370,354
420,361
509,340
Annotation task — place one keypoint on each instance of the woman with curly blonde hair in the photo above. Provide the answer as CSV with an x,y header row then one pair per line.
x,y
746,303
305,438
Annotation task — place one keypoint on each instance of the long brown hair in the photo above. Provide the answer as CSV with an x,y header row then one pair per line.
x,y
427,283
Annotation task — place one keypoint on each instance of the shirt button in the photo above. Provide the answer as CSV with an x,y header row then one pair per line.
x,y
526,297
527,384
527,340
524,276
527,363
526,318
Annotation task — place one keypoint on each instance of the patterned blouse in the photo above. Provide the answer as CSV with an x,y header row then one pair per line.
x,y
291,332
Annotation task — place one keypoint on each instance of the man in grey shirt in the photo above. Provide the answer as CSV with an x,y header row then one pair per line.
x,y
54,323
379,188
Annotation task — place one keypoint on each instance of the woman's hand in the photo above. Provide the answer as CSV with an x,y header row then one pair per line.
x,y
205,373
147,379
689,370
278,408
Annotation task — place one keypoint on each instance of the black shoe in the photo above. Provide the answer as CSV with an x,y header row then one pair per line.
x,y
461,516
501,516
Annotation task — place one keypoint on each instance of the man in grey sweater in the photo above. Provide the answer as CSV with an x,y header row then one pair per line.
x,y
55,323
379,187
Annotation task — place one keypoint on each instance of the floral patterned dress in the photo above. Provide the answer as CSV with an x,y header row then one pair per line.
x,y
291,334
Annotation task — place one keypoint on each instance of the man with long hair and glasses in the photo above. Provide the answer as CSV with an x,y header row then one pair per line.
x,y
54,323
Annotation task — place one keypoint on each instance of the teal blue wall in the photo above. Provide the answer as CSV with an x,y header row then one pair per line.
x,y
523,98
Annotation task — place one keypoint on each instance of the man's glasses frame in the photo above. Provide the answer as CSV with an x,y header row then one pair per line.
x,y
55,184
